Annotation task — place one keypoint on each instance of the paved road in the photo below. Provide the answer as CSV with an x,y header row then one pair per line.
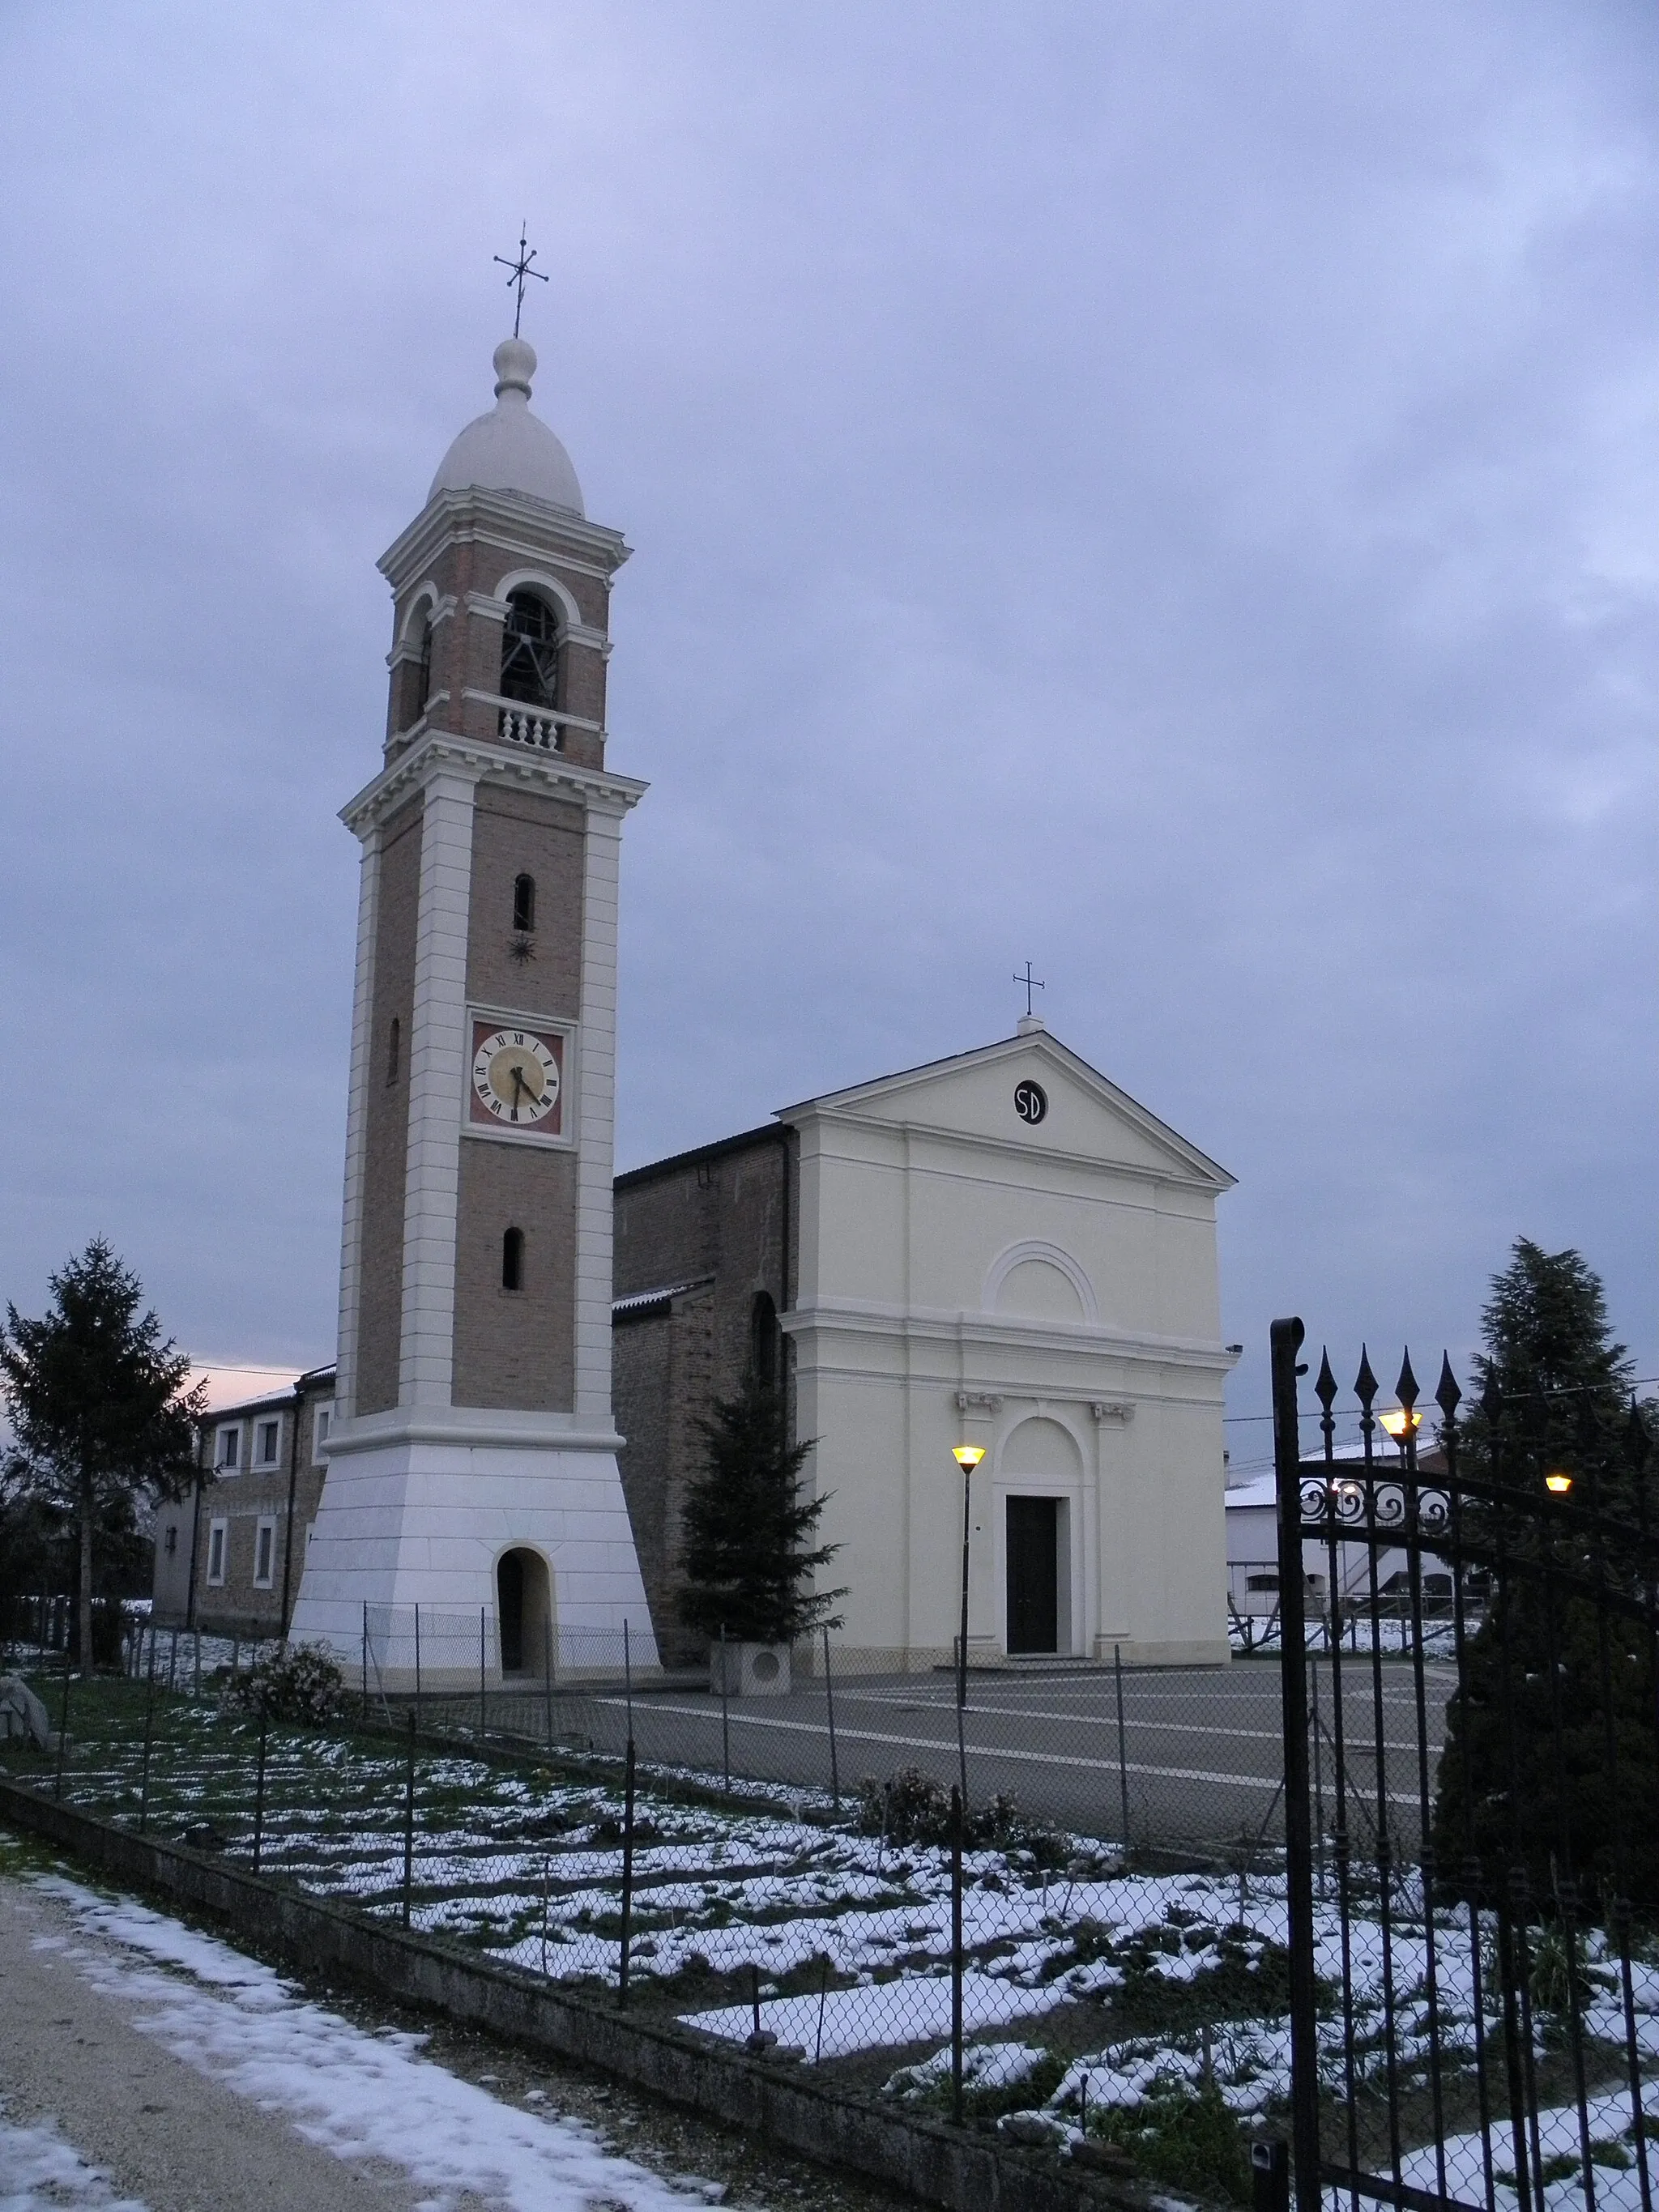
x,y
1199,1758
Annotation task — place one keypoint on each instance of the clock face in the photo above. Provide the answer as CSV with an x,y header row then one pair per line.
x,y
516,1079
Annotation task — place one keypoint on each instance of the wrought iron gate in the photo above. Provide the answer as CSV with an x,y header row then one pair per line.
x,y
1471,1705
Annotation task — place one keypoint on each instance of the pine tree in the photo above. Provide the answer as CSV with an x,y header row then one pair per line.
x,y
748,1529
1550,1677
100,1410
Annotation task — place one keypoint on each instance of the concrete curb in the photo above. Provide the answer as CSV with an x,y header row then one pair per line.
x,y
938,2164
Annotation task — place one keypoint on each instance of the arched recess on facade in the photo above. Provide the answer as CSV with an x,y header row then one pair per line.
x,y
525,1625
1004,1281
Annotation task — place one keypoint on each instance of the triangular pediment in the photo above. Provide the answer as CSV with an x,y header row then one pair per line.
x,y
984,1097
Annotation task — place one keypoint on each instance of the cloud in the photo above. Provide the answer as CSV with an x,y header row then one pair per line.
x,y
1165,492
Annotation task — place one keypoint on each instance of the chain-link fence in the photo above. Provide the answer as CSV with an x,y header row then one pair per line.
x,y
984,1959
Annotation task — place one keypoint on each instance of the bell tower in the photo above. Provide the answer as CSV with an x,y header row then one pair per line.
x,y
472,1459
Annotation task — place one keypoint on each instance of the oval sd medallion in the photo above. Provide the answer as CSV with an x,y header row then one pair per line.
x,y
1030,1101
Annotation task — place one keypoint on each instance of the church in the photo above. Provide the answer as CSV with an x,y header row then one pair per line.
x,y
1001,1249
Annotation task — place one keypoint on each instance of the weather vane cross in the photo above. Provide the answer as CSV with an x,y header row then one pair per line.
x,y
1031,984
520,269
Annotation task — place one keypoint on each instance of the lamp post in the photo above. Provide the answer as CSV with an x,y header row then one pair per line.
x,y
1401,1425
967,1457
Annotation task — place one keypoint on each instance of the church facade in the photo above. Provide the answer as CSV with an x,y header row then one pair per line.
x,y
1000,1248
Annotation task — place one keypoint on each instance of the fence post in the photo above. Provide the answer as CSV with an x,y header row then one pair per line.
x,y
196,1691
417,1662
627,1868
236,1653
628,1680
726,1717
483,1710
1122,1753
830,1707
149,1710
172,1663
259,1787
547,1674
409,1820
63,1718
955,1956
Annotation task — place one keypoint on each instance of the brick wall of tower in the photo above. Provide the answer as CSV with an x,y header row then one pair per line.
x,y
380,1274
520,833
515,1348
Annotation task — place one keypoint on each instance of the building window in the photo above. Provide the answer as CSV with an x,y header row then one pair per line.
x,y
424,676
764,1341
394,1050
264,1553
171,1544
530,651
512,1260
227,1448
524,903
321,1422
268,1443
218,1536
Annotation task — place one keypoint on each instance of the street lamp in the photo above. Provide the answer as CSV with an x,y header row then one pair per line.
x,y
1402,1424
1557,1483
967,1457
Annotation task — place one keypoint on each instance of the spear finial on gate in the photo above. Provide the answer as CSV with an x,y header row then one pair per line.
x,y
1447,1394
1492,1402
1365,1383
1325,1391
1406,1389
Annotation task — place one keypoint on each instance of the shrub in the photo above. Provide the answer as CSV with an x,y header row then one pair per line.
x,y
300,1682
914,1808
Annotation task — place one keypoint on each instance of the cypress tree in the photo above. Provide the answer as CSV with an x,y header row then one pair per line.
x,y
1552,1760
749,1532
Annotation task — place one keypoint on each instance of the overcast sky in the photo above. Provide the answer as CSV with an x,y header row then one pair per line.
x,y
1165,490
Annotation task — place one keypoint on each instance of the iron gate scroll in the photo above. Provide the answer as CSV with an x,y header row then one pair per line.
x,y
1471,1709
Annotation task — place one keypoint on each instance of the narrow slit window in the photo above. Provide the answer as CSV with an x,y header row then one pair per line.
x,y
524,903
512,1260
394,1050
424,679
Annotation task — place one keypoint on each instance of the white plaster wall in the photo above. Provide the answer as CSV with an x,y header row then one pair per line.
x,y
909,1200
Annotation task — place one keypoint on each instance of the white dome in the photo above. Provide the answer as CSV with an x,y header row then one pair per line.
x,y
510,449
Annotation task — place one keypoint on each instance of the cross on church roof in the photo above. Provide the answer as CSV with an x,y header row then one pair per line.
x,y
521,270
1031,984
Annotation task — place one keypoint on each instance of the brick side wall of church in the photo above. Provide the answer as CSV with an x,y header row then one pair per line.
x,y
380,1274
520,833
515,1348
721,1217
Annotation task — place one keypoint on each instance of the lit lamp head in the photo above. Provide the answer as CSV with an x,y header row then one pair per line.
x,y
1557,1483
1400,1423
968,1456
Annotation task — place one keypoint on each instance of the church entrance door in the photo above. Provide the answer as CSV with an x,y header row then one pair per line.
x,y
1034,1574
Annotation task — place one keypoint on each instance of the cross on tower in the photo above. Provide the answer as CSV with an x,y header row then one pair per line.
x,y
520,269
1031,984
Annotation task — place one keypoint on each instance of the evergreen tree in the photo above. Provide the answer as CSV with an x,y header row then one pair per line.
x,y
1552,1678
748,1529
100,1410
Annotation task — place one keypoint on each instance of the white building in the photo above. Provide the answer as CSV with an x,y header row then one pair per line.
x,y
1004,1248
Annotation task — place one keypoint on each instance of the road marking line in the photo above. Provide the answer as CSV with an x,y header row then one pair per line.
x,y
979,1750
